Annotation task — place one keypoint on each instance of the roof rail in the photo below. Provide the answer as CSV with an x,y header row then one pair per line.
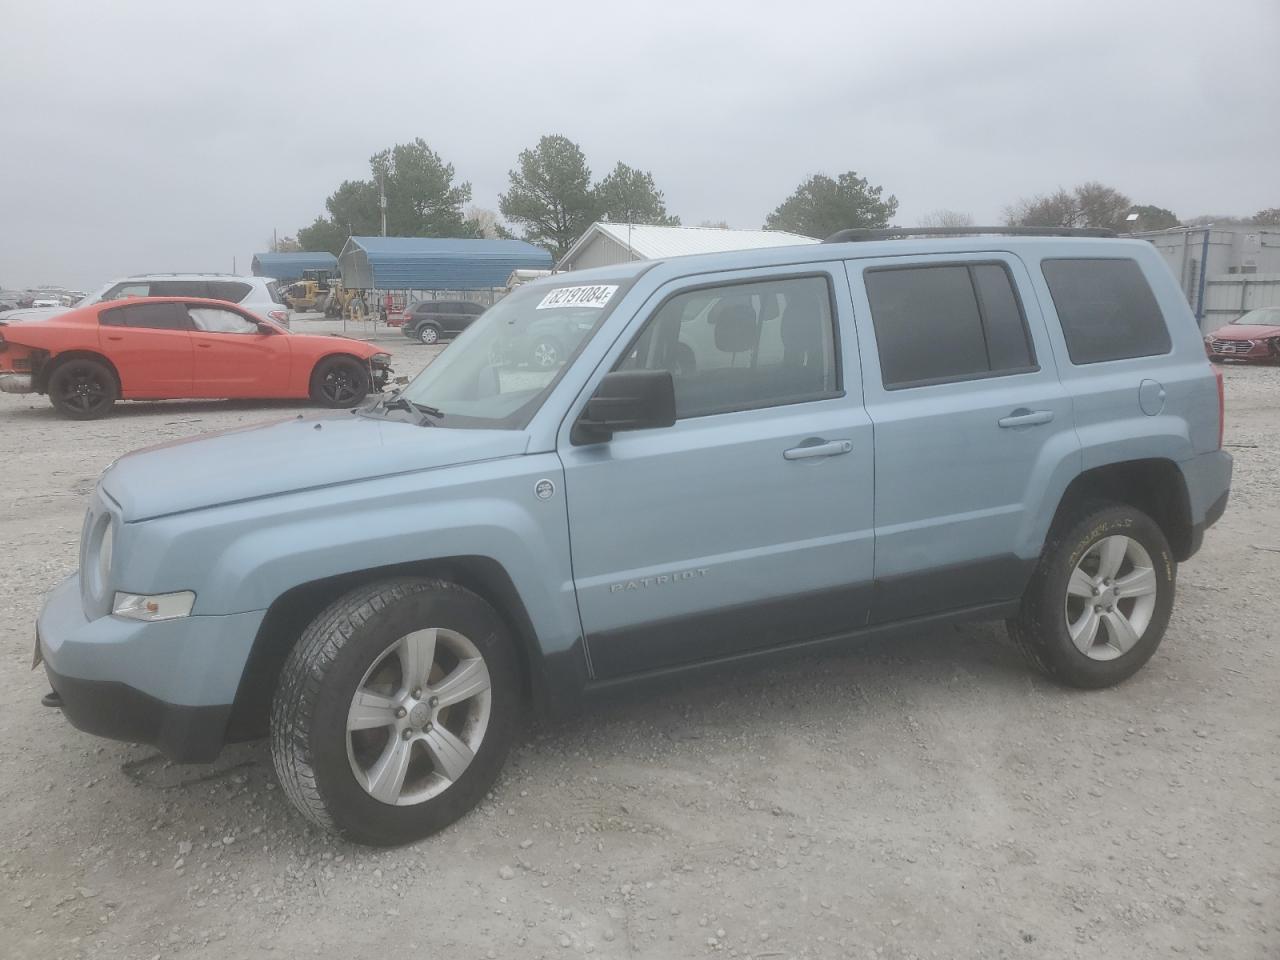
x,y
859,234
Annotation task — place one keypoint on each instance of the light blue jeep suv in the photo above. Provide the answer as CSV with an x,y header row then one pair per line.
x,y
738,454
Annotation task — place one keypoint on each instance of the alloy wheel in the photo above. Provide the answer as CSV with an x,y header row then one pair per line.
x,y
1111,597
339,386
418,716
83,389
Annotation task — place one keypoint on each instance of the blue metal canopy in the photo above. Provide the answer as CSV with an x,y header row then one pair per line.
x,y
289,266
435,263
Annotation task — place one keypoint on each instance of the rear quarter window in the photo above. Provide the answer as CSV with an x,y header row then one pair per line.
x,y
1106,309
232,291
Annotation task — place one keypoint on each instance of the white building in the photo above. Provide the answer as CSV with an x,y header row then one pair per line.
x,y
1224,270
606,243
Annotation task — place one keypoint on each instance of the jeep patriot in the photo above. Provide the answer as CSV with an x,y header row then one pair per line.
x,y
737,454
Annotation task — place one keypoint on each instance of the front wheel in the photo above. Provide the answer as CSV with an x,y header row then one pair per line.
x,y
1098,604
340,382
83,389
395,710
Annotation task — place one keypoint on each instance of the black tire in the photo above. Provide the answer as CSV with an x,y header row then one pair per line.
x,y
429,334
83,389
309,743
1041,628
340,382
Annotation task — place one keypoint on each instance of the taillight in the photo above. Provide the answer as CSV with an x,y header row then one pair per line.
x,y
279,316
1222,407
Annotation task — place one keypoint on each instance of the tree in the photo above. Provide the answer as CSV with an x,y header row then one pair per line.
x,y
1057,209
1102,207
1091,204
628,195
283,245
1268,218
946,218
422,200
820,206
485,225
550,194
715,224
1153,218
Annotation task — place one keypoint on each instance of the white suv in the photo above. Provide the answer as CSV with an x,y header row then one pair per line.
x,y
258,295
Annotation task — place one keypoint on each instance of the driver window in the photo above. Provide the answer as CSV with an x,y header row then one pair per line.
x,y
213,320
743,345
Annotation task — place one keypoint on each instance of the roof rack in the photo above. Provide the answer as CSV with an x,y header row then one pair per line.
x,y
859,234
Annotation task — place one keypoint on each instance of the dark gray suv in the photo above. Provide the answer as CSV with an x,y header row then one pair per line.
x,y
434,320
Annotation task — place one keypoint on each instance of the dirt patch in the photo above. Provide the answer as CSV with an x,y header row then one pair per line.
x,y
927,797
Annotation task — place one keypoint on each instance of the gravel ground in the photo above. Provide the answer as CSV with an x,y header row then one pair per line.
x,y
927,797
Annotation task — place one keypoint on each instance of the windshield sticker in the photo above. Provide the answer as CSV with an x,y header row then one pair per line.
x,y
578,297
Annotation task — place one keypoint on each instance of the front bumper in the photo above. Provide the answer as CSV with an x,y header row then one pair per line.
x,y
170,684
1258,351
17,383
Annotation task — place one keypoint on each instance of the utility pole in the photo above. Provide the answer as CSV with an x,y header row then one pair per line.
x,y
382,204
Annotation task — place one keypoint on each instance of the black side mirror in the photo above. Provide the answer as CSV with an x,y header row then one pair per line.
x,y
627,400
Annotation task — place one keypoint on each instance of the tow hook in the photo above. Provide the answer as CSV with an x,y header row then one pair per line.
x,y
52,699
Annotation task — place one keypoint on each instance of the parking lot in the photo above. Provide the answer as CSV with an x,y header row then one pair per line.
x,y
926,797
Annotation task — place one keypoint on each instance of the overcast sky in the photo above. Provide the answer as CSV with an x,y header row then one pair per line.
x,y
150,136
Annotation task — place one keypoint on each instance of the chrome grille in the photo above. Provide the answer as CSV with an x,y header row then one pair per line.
x,y
1232,346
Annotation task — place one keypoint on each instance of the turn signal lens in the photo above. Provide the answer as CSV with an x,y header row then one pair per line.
x,y
159,606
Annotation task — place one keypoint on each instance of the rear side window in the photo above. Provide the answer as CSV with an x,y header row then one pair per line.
x,y
178,288
1107,310
232,291
950,322
150,316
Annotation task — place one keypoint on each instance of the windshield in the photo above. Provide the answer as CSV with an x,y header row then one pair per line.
x,y
1264,317
96,296
497,373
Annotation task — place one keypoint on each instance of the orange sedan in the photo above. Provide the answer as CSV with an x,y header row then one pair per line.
x,y
170,348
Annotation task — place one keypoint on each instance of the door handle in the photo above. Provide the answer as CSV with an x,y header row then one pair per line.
x,y
117,337
830,448
1022,417
204,345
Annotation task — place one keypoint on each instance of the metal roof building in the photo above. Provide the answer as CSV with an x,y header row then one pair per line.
x,y
435,263
289,266
605,243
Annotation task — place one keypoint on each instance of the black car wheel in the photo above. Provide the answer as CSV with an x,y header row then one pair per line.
x,y
340,382
83,389
429,333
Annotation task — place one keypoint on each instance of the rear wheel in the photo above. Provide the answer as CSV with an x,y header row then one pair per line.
x,y
395,710
83,389
1098,605
429,333
340,382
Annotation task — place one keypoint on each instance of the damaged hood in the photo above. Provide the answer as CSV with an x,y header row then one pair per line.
x,y
289,456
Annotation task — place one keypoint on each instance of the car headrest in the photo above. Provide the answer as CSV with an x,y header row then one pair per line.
x,y
735,325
